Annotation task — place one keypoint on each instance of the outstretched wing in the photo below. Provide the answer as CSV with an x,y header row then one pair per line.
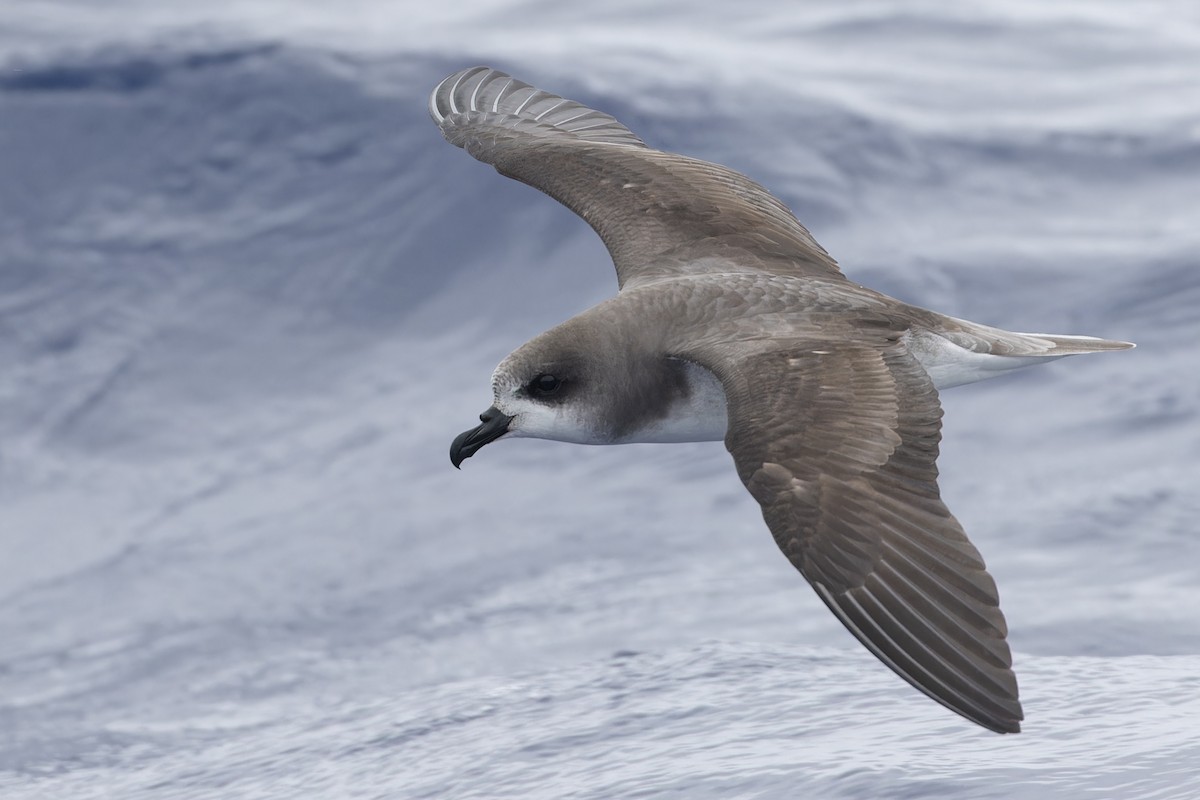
x,y
659,214
838,444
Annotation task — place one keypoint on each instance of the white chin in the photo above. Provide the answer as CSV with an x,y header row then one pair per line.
x,y
556,424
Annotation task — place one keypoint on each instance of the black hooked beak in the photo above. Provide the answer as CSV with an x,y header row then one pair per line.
x,y
495,425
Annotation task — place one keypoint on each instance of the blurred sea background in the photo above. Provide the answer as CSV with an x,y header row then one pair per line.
x,y
248,295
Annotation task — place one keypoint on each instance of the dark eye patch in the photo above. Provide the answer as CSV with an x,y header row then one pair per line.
x,y
544,385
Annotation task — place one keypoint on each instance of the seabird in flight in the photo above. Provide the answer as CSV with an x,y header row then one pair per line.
x,y
733,323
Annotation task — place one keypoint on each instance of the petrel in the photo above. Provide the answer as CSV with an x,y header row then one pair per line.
x,y
733,323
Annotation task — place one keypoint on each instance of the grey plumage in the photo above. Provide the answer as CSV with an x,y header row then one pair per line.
x,y
733,321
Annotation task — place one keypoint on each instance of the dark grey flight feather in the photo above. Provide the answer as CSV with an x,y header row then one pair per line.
x,y
659,214
838,444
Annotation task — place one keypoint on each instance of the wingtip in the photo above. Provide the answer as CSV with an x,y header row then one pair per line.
x,y
1007,721
441,103
482,98
1001,726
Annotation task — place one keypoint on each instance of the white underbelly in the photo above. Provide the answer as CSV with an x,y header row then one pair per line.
x,y
701,417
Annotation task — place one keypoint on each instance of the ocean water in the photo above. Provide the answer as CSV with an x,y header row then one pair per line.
x,y
248,296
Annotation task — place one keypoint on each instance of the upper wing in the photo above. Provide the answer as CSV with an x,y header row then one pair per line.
x,y
658,213
838,444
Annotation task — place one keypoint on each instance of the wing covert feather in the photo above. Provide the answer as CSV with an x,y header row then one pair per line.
x,y
659,214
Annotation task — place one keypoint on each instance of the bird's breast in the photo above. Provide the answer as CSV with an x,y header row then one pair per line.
x,y
696,414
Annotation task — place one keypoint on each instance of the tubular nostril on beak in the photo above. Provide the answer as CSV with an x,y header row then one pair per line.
x,y
495,424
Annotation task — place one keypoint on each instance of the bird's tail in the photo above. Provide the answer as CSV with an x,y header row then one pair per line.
x,y
996,341
958,351
1072,345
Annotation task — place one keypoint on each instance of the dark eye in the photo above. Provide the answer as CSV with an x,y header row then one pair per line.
x,y
544,385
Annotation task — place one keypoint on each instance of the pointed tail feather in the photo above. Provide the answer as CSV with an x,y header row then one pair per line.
x,y
995,341
1072,345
